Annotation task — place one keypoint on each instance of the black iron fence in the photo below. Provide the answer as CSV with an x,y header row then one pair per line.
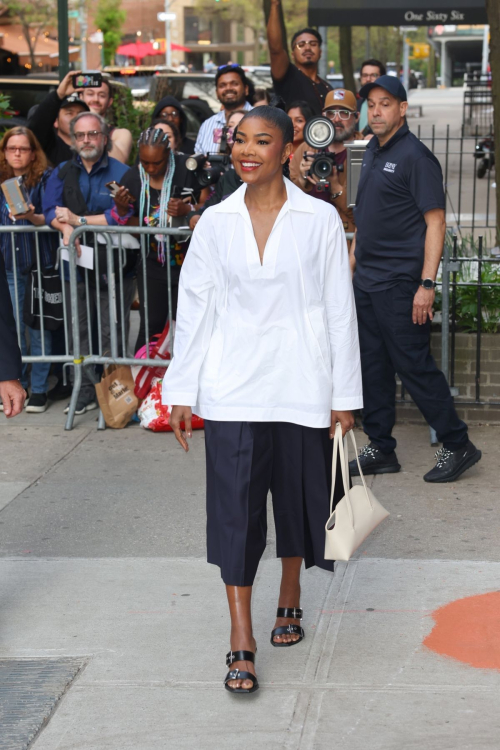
x,y
470,197
478,108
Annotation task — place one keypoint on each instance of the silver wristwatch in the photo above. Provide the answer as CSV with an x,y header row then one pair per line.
x,y
82,221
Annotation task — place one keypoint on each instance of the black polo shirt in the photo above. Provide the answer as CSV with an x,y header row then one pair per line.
x,y
399,183
296,86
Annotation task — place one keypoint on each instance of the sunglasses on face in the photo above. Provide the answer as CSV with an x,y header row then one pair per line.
x,y
314,43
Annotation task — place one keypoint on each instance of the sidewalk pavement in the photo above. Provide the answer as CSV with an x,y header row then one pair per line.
x,y
103,576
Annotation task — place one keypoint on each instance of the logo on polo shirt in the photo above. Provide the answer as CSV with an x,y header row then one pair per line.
x,y
390,167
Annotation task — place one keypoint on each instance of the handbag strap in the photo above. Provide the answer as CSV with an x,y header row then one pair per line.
x,y
338,450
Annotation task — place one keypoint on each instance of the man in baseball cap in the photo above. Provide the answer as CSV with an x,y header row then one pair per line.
x,y
341,109
401,226
50,121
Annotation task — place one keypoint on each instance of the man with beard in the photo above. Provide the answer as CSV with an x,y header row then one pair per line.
x,y
76,195
341,109
232,89
299,80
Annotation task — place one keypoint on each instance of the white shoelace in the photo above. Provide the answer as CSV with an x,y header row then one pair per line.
x,y
442,455
368,452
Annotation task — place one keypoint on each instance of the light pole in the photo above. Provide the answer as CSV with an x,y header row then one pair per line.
x,y
167,17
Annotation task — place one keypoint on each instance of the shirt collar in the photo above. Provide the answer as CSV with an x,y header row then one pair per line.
x,y
400,133
102,163
297,200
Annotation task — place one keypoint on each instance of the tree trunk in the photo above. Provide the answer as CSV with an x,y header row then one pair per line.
x,y
493,10
345,54
431,68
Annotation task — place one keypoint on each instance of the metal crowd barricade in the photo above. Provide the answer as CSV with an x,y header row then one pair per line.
x,y
115,299
65,358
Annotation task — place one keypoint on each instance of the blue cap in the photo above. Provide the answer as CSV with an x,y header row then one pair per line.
x,y
392,84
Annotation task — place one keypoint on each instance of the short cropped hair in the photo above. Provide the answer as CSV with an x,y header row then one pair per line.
x,y
223,70
102,122
307,31
374,63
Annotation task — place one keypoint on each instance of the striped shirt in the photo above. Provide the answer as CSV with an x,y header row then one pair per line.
x,y
205,143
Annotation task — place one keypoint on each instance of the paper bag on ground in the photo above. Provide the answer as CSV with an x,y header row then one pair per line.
x,y
115,394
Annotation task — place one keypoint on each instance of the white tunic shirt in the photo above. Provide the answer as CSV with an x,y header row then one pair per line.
x,y
270,342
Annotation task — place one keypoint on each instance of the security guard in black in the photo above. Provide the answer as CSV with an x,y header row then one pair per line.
x,y
399,183
400,224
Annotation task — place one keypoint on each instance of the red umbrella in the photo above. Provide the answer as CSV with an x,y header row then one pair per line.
x,y
140,50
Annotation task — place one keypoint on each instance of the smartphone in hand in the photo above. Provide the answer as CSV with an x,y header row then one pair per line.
x,y
90,80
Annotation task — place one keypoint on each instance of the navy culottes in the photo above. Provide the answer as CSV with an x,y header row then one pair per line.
x,y
246,460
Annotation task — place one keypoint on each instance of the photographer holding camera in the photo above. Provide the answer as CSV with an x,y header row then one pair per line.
x,y
341,110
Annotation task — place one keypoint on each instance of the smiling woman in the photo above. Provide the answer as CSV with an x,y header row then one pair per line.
x,y
266,350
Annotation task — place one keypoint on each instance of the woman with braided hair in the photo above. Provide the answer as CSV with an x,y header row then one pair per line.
x,y
158,192
266,350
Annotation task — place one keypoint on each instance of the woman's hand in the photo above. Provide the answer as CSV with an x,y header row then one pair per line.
x,y
30,216
346,420
177,207
181,414
122,199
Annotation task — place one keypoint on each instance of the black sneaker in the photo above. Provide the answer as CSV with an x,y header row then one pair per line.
x,y
82,407
451,464
373,461
37,403
60,391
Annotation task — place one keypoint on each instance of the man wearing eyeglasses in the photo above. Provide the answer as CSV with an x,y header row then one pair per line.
x,y
298,81
340,109
76,195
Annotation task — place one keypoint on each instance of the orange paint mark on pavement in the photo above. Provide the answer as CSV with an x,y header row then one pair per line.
x,y
469,630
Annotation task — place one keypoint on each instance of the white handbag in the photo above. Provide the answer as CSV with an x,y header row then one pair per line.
x,y
356,514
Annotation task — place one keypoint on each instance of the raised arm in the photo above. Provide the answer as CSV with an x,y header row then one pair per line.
x,y
275,38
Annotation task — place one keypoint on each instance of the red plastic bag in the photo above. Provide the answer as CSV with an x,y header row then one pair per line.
x,y
161,350
154,415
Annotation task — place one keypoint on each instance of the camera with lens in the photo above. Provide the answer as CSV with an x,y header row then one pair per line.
x,y
220,162
319,133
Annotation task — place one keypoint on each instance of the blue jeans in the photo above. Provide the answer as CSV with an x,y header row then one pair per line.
x,y
39,370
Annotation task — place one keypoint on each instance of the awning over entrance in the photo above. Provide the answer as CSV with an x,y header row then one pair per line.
x,y
396,12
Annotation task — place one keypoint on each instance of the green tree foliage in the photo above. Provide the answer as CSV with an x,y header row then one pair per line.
x,y
110,19
34,16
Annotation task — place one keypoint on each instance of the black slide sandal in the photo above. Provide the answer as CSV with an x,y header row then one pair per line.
x,y
236,674
294,613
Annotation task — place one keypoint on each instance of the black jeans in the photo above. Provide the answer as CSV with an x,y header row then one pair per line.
x,y
157,290
391,343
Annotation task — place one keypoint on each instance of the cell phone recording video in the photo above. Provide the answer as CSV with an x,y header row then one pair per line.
x,y
90,80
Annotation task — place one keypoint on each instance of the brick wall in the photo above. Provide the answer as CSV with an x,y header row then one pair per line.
x,y
465,371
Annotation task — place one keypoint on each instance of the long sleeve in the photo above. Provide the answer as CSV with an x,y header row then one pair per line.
x,y
194,324
52,197
42,120
342,322
10,354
